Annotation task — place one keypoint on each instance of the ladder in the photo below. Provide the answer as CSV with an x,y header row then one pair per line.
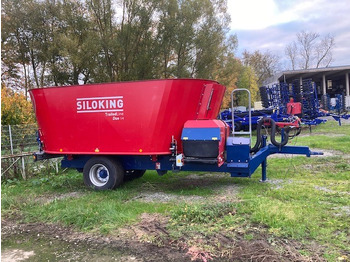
x,y
249,111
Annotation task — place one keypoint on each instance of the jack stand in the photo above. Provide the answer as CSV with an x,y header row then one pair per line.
x,y
264,163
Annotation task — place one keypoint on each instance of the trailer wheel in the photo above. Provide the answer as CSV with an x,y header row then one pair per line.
x,y
133,174
103,173
238,126
264,96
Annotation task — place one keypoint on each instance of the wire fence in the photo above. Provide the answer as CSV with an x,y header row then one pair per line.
x,y
18,143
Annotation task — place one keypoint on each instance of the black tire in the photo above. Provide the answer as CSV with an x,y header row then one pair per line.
x,y
238,126
343,105
103,173
264,96
133,174
325,102
297,91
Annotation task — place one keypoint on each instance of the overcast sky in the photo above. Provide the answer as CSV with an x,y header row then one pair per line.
x,y
271,24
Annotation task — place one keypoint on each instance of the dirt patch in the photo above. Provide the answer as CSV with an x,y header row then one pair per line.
x,y
161,197
194,181
342,211
152,228
224,246
141,251
261,250
323,134
231,246
15,255
227,193
47,199
327,190
149,240
221,192
277,183
326,153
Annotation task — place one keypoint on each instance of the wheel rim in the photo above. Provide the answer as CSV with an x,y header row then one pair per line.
x,y
99,175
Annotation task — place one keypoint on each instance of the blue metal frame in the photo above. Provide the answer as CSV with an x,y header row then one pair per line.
x,y
278,96
243,167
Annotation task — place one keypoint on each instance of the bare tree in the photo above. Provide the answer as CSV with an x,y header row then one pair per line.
x,y
310,50
324,51
292,51
307,43
264,64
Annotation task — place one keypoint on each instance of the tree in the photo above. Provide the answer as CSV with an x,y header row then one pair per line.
x,y
14,51
29,30
228,76
15,109
324,51
248,80
134,43
191,37
306,41
210,38
291,51
263,64
78,46
64,42
101,14
310,50
228,69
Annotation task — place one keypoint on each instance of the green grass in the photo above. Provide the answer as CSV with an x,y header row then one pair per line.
x,y
202,213
324,142
330,127
98,211
105,211
329,136
308,199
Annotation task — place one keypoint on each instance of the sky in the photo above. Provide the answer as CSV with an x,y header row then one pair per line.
x,y
272,24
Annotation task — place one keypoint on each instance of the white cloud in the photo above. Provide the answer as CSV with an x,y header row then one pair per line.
x,y
260,14
268,24
252,14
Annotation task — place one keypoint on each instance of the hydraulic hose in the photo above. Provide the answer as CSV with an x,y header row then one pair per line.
x,y
257,145
272,123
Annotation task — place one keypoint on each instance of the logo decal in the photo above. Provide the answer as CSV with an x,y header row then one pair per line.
x,y
100,104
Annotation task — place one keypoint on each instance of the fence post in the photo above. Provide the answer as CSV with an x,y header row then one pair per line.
x,y
23,169
11,144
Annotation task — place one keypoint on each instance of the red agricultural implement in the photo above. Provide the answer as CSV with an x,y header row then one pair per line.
x,y
116,131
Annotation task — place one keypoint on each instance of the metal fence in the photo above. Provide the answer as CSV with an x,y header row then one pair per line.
x,y
18,143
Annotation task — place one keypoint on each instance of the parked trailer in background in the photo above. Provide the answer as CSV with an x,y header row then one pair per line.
x,y
116,131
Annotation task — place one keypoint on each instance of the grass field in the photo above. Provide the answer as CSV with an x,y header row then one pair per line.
x,y
304,208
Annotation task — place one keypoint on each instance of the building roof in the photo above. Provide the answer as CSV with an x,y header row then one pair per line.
x,y
314,73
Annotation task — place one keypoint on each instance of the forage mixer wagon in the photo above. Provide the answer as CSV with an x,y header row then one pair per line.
x,y
116,131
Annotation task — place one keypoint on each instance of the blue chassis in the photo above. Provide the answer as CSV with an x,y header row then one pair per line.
x,y
240,163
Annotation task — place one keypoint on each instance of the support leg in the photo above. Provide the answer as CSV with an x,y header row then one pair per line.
x,y
264,163
263,171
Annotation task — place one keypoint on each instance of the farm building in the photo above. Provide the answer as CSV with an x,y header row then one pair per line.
x,y
328,80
